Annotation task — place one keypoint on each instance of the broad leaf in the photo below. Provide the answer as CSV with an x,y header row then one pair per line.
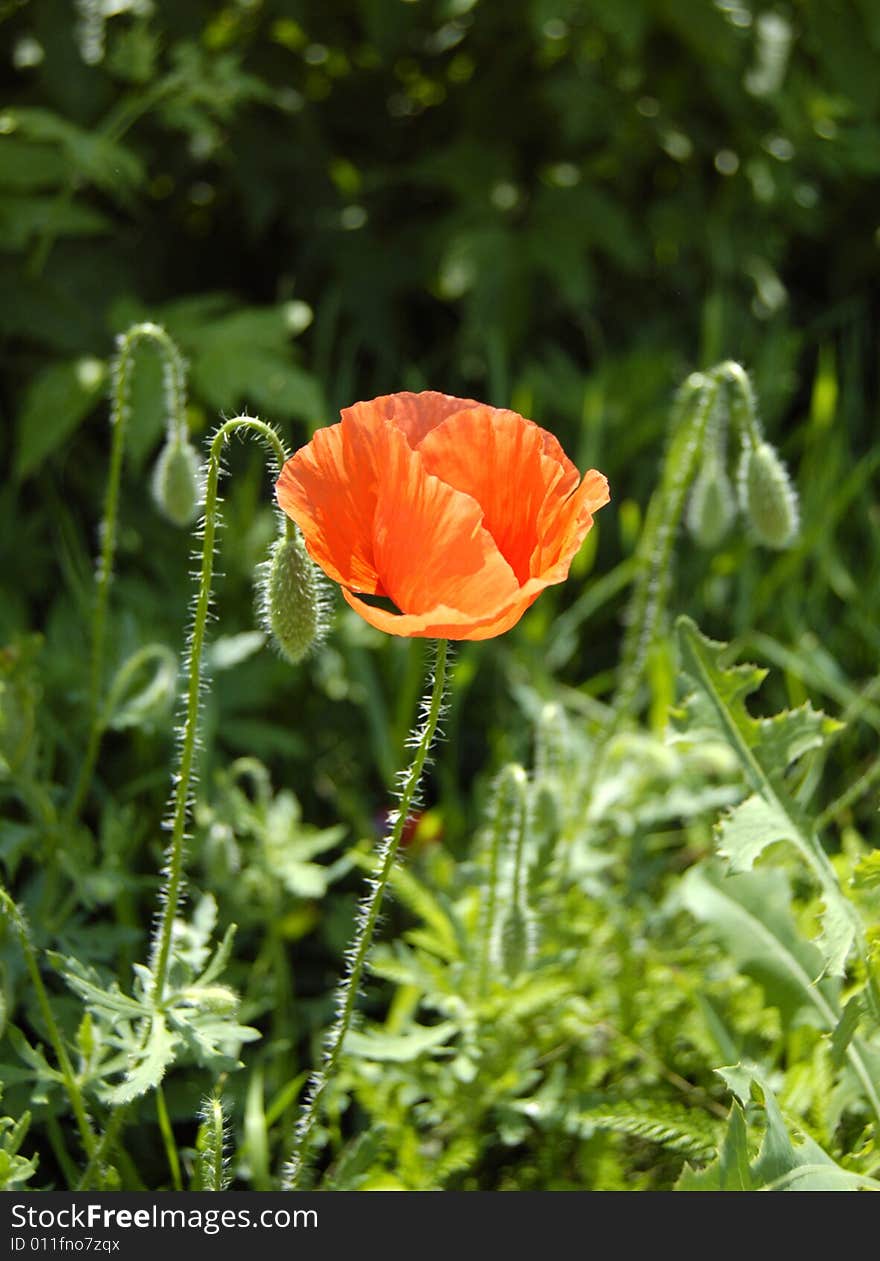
x,y
766,748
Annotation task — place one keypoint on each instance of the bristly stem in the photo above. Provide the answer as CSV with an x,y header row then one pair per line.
x,y
694,408
68,1076
356,955
174,859
120,411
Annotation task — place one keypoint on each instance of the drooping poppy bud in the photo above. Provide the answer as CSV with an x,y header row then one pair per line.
x,y
712,507
291,601
178,480
768,499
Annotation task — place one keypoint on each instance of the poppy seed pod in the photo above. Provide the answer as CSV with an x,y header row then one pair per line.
x,y
178,481
712,506
767,497
291,602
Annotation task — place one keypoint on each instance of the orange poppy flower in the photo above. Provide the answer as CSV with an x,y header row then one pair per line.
x,y
461,514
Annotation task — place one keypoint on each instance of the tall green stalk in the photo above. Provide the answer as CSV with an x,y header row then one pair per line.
x,y
356,955
183,778
120,413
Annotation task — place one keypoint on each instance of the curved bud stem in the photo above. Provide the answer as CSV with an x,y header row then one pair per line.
x,y
173,870
120,411
356,955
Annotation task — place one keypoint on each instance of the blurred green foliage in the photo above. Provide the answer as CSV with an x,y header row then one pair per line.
x,y
560,205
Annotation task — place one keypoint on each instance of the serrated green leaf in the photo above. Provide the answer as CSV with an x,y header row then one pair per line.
x,y
746,831
837,935
765,749
781,1164
867,871
149,1066
730,1172
751,915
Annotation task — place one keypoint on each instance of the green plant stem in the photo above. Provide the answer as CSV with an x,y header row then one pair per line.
x,y
168,1139
120,409
356,956
68,1076
744,411
104,1146
693,411
656,551
172,889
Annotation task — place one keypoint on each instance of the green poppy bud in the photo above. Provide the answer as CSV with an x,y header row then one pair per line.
x,y
712,506
178,481
768,499
292,603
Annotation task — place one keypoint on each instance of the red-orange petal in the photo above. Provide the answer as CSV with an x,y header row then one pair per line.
x,y
563,524
463,553
415,415
429,543
332,498
511,466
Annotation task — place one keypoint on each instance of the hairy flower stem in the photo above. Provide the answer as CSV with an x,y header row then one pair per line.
x,y
356,956
120,411
171,892
68,1076
694,410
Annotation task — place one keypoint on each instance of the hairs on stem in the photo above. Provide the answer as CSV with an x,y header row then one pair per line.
x,y
355,957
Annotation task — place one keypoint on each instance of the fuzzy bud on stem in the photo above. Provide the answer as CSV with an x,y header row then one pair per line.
x,y
178,480
292,603
712,507
768,499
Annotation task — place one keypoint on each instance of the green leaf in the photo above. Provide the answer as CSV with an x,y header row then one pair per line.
x,y
746,831
23,218
845,1029
399,1048
244,357
750,915
867,871
89,155
54,404
149,1065
143,690
766,748
357,1160
730,1172
689,1131
781,1164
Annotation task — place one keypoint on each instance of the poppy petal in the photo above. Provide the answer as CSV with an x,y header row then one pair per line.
x,y
563,524
332,498
511,467
415,415
429,543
